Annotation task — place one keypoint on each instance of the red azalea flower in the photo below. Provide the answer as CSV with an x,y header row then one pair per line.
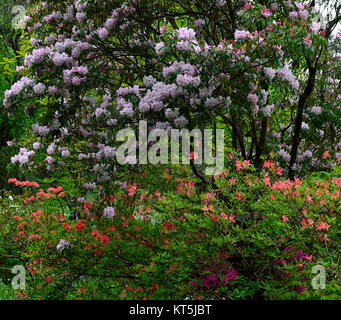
x,y
79,226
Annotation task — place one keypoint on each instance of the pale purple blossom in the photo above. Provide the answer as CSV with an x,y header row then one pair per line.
x,y
40,130
39,88
240,34
283,154
293,14
102,33
80,16
317,110
180,122
17,87
304,14
81,200
276,135
19,68
271,73
23,156
51,149
304,126
252,98
199,23
62,244
109,152
183,46
90,186
158,48
109,212
185,80
315,27
11,142
286,74
39,54
61,58
99,112
300,6
274,6
36,145
186,33
33,41
49,160
219,3
65,153
178,67
53,90
267,110
149,81
212,102
308,154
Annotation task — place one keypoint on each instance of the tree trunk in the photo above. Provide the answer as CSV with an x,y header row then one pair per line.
x,y
299,118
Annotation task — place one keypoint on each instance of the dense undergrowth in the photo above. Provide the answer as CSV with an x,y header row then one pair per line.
x,y
167,239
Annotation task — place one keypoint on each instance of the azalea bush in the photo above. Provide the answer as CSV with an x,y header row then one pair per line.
x,y
173,241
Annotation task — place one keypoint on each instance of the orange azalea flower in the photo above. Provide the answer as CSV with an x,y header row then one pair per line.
x,y
267,181
326,155
231,218
322,226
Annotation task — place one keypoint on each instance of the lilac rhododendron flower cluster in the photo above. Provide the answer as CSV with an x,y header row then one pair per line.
x,y
184,91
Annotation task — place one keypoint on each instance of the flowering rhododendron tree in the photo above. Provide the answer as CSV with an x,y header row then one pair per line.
x,y
103,73
267,72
